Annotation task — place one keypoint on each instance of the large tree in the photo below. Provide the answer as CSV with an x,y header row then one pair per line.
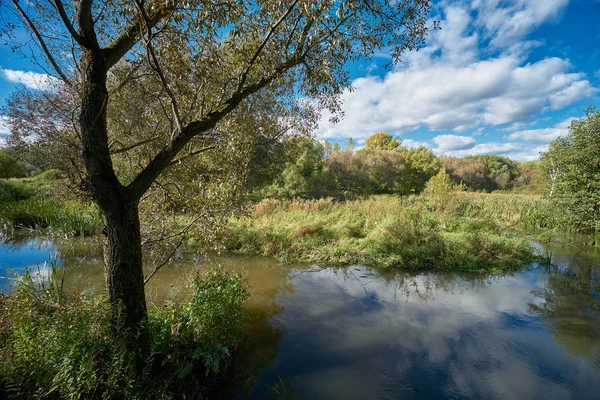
x,y
572,163
181,69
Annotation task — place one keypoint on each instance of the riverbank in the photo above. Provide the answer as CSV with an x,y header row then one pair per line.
x,y
465,232
461,231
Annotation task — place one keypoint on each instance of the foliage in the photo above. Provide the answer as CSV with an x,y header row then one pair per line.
x,y
55,346
382,141
307,175
500,171
440,185
14,190
10,167
382,171
421,165
472,173
572,164
42,185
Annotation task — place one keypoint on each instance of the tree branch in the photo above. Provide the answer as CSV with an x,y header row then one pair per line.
x,y
41,42
85,22
65,18
193,153
264,43
133,146
117,49
163,159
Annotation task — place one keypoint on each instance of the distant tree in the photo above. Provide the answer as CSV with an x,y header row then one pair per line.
x,y
306,175
382,141
440,184
350,145
10,167
421,164
501,171
472,173
531,178
573,164
384,169
348,171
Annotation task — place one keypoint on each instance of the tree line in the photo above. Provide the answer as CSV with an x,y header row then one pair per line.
x,y
307,168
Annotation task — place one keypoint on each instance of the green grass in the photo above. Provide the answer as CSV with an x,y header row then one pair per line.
x,y
42,185
415,232
53,346
51,214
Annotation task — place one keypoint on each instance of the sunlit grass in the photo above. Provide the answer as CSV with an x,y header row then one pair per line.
x,y
459,232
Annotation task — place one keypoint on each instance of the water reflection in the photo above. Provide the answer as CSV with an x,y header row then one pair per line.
x,y
355,333
351,335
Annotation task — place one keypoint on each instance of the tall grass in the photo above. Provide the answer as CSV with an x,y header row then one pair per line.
x,y
56,215
517,210
412,232
55,346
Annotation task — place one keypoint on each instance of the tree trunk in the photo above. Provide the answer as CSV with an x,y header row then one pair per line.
x,y
123,271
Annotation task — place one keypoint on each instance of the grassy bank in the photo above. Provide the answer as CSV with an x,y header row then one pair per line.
x,y
457,232
33,203
51,215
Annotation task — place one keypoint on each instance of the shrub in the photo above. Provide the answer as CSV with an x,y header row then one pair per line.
x,y
53,346
14,190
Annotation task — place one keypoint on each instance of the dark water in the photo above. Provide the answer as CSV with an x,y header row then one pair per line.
x,y
355,333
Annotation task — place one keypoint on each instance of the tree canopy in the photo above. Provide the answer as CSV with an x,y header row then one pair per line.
x,y
572,163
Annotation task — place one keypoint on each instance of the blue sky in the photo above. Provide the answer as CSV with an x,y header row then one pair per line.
x,y
501,77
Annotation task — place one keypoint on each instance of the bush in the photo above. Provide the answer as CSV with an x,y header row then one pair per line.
x,y
10,167
15,190
57,347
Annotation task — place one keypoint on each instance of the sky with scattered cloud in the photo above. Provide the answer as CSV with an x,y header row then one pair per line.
x,y
500,76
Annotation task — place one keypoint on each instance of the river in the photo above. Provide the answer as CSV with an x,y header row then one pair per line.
x,y
357,333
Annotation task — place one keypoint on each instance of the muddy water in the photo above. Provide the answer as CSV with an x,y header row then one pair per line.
x,y
356,333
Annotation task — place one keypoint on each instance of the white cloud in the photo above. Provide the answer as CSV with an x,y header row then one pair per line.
x,y
506,23
453,142
544,135
4,131
32,80
472,75
443,97
413,144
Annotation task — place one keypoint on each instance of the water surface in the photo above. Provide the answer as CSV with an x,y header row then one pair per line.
x,y
356,333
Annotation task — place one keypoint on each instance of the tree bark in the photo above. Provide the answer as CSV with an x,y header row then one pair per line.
x,y
123,267
123,270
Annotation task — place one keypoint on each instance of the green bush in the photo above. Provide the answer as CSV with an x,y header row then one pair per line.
x,y
42,185
10,167
52,346
15,190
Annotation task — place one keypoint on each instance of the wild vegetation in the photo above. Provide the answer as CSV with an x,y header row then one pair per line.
x,y
385,166
166,115
58,346
416,232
